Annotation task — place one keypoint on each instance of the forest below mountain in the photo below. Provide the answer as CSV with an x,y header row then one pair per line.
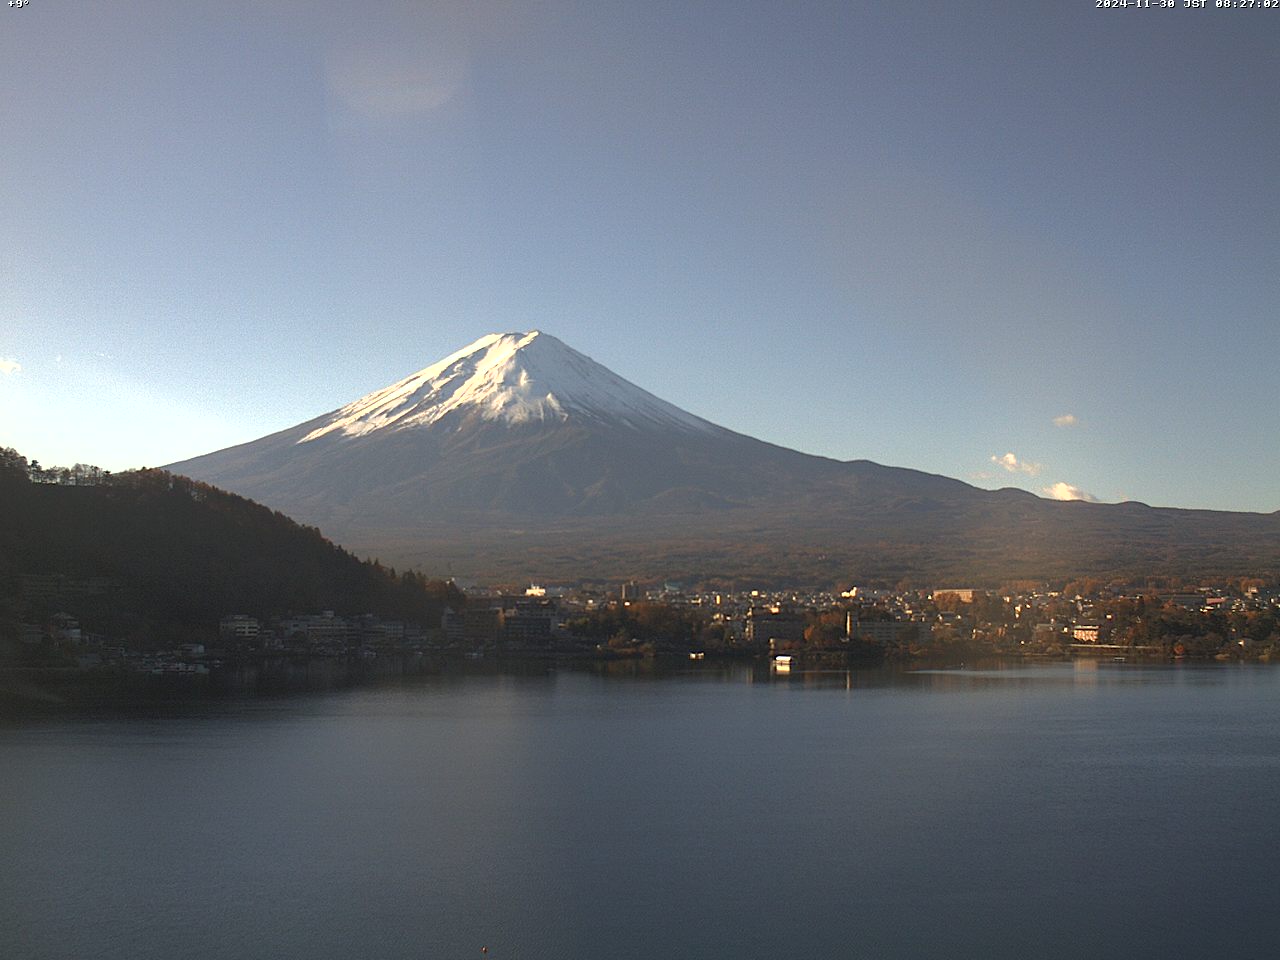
x,y
159,558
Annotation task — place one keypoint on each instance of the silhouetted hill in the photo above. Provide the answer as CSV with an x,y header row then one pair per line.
x,y
177,555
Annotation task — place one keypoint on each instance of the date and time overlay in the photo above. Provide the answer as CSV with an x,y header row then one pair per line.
x,y
1099,4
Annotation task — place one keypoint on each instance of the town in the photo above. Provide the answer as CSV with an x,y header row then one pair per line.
x,y
1237,619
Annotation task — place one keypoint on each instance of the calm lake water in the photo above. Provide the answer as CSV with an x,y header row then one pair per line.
x,y
1086,810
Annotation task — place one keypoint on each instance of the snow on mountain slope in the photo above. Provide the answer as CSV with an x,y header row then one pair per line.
x,y
515,378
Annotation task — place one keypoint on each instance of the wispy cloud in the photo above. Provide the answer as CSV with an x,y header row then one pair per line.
x,y
10,366
1065,491
1066,420
405,63
406,82
1012,464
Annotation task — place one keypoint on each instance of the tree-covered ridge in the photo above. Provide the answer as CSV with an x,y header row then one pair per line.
x,y
171,556
15,465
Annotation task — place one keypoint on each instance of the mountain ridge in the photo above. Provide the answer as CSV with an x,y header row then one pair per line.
x,y
519,455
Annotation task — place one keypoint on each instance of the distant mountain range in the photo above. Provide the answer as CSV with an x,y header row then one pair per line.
x,y
518,456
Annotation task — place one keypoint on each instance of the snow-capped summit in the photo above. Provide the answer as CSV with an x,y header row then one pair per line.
x,y
512,378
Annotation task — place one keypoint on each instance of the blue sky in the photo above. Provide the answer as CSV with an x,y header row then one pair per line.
x,y
918,234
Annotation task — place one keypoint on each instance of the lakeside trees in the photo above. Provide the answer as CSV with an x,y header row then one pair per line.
x,y
663,626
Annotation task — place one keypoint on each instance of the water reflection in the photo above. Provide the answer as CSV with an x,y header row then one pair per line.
x,y
284,678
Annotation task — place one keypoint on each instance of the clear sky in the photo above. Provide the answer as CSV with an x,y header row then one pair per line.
x,y
1031,244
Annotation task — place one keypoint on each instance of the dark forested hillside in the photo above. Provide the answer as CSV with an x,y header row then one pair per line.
x,y
163,554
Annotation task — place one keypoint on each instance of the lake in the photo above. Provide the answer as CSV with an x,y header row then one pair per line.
x,y
718,811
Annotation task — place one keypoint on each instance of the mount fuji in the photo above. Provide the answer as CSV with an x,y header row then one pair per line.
x,y
519,456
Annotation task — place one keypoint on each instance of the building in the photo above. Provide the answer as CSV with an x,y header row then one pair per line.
x,y
529,622
239,627
1086,632
774,625
325,630
887,633
481,624
454,626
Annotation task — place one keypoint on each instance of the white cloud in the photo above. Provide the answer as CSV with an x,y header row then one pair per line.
x,y
10,366
1012,464
1065,491
1066,420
